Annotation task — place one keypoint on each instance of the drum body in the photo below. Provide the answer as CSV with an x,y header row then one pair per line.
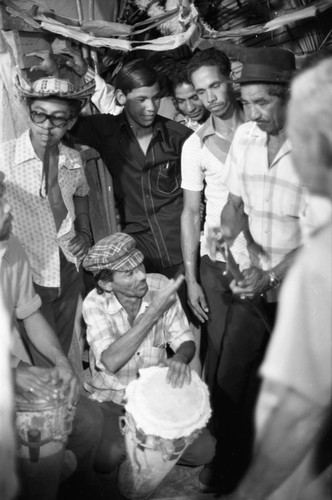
x,y
42,432
158,431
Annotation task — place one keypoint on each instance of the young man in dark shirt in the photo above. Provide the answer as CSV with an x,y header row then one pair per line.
x,y
142,152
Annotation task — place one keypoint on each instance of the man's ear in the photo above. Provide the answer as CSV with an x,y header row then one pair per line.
x,y
105,285
120,97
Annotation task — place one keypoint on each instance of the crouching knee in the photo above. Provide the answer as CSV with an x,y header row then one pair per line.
x,y
111,450
201,451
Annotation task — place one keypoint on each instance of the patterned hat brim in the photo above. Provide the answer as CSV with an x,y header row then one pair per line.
x,y
82,94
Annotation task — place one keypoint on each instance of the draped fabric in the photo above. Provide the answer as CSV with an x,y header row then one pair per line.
x,y
14,119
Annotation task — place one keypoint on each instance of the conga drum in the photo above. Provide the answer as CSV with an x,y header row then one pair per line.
x,y
159,423
42,431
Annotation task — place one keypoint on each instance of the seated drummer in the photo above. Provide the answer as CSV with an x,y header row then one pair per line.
x,y
132,317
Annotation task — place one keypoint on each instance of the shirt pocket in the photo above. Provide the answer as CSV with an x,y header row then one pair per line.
x,y
168,179
290,202
151,356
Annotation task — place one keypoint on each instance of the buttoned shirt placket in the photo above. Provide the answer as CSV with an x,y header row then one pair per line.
x,y
148,200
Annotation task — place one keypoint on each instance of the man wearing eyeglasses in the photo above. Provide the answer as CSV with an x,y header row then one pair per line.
x,y
47,187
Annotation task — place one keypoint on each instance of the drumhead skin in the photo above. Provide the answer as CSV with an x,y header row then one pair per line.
x,y
162,410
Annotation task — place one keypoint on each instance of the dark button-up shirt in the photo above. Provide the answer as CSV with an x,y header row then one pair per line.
x,y
147,187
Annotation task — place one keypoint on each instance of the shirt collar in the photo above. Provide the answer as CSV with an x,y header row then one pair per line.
x,y
157,126
114,306
208,128
24,151
255,131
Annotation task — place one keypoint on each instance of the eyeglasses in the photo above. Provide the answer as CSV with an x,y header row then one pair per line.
x,y
56,121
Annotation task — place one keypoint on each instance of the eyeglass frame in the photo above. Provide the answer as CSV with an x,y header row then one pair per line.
x,y
50,118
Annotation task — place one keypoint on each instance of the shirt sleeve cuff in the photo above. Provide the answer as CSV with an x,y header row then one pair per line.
x,y
184,337
28,309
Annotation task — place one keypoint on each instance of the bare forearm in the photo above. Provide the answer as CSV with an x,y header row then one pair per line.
x,y
123,349
82,221
282,268
120,351
44,339
287,435
186,351
233,219
190,233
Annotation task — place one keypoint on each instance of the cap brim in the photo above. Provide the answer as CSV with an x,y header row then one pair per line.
x,y
261,80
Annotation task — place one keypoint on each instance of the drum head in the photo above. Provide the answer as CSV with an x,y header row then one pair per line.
x,y
162,410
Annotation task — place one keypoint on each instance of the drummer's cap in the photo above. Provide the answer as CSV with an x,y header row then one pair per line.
x,y
117,252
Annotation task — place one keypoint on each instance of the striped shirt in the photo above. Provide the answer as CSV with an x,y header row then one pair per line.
x,y
203,167
273,196
107,321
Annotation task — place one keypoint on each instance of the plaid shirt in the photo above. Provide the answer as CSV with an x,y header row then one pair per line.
x,y
273,197
107,321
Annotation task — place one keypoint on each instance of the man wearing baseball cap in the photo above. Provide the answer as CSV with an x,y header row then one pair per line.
x,y
132,317
267,194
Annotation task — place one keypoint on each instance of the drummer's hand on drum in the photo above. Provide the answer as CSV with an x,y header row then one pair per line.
x,y
32,382
70,386
179,371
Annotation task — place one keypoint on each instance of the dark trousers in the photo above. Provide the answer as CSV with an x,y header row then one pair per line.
x,y
85,441
237,339
86,433
59,304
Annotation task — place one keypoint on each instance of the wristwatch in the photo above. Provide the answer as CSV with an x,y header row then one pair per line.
x,y
274,280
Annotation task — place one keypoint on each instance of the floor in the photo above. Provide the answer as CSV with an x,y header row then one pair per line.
x,y
181,484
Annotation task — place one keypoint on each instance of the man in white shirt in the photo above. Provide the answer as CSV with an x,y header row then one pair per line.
x,y
203,168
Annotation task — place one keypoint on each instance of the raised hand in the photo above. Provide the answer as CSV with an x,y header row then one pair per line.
x,y
165,297
79,245
75,60
47,64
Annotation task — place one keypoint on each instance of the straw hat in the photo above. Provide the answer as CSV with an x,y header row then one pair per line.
x,y
55,87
